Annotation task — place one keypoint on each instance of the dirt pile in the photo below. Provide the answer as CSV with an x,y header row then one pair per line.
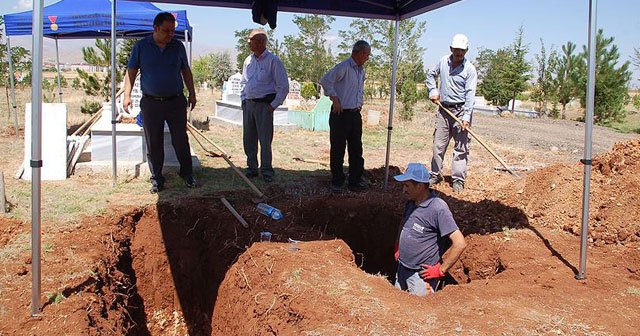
x,y
552,196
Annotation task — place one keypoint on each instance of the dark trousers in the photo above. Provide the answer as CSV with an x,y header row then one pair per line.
x,y
345,129
154,114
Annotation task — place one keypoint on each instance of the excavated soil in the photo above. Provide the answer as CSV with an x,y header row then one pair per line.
x,y
189,267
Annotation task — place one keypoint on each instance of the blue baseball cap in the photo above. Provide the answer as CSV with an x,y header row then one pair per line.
x,y
415,172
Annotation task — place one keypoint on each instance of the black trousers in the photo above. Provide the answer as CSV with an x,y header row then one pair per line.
x,y
154,114
345,129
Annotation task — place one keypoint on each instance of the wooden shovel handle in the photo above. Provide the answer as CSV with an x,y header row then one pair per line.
x,y
480,141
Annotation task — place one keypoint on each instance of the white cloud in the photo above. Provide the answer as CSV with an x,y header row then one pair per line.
x,y
23,5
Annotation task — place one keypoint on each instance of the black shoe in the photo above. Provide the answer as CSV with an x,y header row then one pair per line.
x,y
359,187
267,178
250,173
156,188
190,181
336,188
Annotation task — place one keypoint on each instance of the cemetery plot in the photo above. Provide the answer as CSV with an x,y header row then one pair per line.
x,y
189,267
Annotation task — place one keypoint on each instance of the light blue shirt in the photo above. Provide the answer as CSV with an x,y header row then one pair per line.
x,y
457,85
262,76
345,80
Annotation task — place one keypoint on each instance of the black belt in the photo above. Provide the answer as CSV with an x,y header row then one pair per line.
x,y
266,99
356,110
161,98
453,105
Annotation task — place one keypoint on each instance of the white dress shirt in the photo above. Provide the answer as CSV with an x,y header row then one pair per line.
x,y
264,75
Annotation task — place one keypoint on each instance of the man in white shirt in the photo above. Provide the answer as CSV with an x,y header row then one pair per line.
x,y
266,86
344,84
457,91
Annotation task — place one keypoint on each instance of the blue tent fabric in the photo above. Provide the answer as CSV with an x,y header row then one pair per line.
x,y
373,9
70,19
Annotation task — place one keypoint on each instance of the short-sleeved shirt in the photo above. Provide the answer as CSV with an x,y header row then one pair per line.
x,y
160,69
426,225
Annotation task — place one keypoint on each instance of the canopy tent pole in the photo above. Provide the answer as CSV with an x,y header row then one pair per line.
x,y
591,90
36,159
391,102
186,40
13,86
190,48
58,69
114,110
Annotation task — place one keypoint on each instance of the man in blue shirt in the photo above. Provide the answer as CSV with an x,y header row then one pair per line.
x,y
163,65
427,230
266,86
458,80
344,84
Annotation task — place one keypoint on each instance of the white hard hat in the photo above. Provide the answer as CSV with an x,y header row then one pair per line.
x,y
460,41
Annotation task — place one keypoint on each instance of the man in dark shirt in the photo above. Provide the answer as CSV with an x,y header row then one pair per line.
x,y
163,65
427,228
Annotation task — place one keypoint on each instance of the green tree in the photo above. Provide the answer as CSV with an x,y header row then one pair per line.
x,y
635,58
222,68
566,76
518,68
305,55
544,91
636,101
408,97
99,56
380,33
122,57
20,58
75,84
504,73
611,87
493,86
483,62
214,69
308,90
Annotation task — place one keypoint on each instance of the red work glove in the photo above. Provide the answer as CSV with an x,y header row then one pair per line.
x,y
396,253
431,272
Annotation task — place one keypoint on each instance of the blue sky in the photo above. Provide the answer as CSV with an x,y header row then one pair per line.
x,y
488,23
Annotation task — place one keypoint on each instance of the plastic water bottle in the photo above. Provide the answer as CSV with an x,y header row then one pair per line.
x,y
269,211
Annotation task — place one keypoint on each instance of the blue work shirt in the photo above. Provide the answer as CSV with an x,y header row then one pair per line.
x,y
425,227
457,85
160,69
346,81
262,76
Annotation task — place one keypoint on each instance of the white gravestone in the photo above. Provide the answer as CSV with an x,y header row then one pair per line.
x,y
136,96
53,141
232,89
293,98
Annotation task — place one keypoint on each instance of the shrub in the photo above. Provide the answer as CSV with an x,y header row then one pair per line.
x,y
90,107
408,97
308,90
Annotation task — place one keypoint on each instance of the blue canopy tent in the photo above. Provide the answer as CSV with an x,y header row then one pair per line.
x,y
82,19
376,9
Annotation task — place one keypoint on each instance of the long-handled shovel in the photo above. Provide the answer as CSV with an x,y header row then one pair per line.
x,y
480,141
195,133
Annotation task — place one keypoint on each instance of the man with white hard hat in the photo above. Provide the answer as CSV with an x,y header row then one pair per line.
x,y
456,92
428,228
